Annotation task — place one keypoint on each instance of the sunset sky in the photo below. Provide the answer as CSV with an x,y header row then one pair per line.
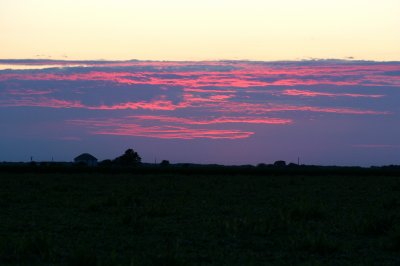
x,y
229,82
200,30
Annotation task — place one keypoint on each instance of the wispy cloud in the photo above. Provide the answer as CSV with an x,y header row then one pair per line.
x,y
307,93
126,127
188,100
215,120
220,74
215,103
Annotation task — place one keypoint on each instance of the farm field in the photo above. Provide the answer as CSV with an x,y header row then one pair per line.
x,y
147,219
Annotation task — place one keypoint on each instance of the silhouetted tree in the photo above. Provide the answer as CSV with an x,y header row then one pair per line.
x,y
164,163
280,163
129,158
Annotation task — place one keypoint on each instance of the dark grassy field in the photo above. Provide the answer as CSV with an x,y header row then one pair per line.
x,y
104,219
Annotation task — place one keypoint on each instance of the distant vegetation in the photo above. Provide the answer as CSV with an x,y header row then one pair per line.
x,y
131,162
165,167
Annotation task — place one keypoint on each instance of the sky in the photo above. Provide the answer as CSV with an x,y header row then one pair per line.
x,y
200,30
329,112
228,82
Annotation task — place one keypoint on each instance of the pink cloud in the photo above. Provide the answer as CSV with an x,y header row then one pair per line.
x,y
163,105
256,108
218,120
175,132
207,90
41,102
196,100
307,93
244,76
216,92
124,128
216,103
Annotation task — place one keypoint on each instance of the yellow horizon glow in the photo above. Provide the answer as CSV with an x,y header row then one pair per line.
x,y
200,30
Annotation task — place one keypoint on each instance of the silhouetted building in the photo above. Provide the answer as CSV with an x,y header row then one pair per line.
x,y
87,159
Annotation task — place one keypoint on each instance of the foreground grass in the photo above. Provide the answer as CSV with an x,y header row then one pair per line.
x,y
94,219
